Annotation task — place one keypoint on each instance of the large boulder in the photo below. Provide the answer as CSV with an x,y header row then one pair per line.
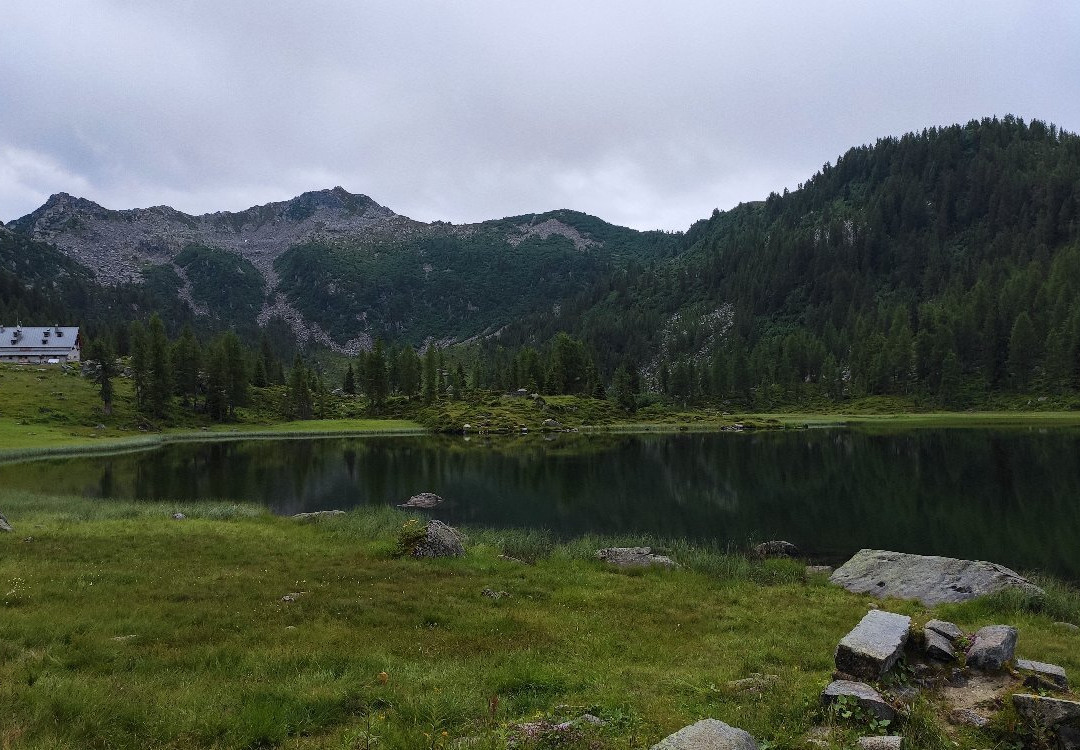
x,y
874,645
439,540
865,696
707,734
634,557
993,647
4,525
931,580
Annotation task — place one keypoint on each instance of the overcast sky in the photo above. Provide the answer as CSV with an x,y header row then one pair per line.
x,y
646,114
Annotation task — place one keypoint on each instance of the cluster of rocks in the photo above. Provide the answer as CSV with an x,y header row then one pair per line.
x,y
975,672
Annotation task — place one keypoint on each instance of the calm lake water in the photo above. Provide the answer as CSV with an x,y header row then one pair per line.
x,y
1011,496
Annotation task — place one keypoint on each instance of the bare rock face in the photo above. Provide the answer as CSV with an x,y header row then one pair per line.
x,y
874,645
993,647
867,698
631,557
931,580
440,540
708,734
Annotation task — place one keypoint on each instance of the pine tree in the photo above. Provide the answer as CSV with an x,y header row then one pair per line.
x,y
140,369
622,391
101,353
349,384
298,401
430,375
1022,350
376,380
159,372
186,363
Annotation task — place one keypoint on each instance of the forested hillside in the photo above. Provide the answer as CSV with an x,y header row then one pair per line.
x,y
943,263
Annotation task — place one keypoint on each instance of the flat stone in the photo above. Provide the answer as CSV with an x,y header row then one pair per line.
x,y
931,580
966,717
947,629
708,734
1046,712
877,742
1067,626
868,698
439,540
423,500
4,525
938,646
630,557
317,515
992,648
816,570
874,645
1049,675
755,683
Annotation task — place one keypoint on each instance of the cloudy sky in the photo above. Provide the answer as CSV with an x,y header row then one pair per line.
x,y
646,114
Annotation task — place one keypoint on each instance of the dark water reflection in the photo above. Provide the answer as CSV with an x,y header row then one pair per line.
x,y
1008,496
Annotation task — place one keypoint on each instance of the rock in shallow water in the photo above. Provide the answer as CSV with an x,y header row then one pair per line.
x,y
707,734
874,645
931,580
424,500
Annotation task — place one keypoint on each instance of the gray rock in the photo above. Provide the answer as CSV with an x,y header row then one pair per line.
x,y
776,548
755,683
1046,713
1068,626
707,734
966,717
946,629
317,515
440,540
867,698
929,579
630,557
938,646
178,516
813,570
993,647
1043,674
874,645
4,525
551,424
423,500
875,742
496,595
1068,738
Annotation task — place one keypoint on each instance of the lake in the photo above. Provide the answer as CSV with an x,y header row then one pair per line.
x,y
1011,496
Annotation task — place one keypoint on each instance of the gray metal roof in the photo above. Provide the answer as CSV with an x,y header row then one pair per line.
x,y
35,340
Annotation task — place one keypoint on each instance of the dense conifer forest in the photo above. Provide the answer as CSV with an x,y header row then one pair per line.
x,y
942,265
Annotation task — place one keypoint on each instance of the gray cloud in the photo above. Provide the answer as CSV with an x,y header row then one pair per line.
x,y
645,114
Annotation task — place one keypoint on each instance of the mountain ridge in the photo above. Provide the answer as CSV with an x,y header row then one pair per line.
x,y
124,246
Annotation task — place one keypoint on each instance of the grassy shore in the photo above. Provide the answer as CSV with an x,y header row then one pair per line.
x,y
123,628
